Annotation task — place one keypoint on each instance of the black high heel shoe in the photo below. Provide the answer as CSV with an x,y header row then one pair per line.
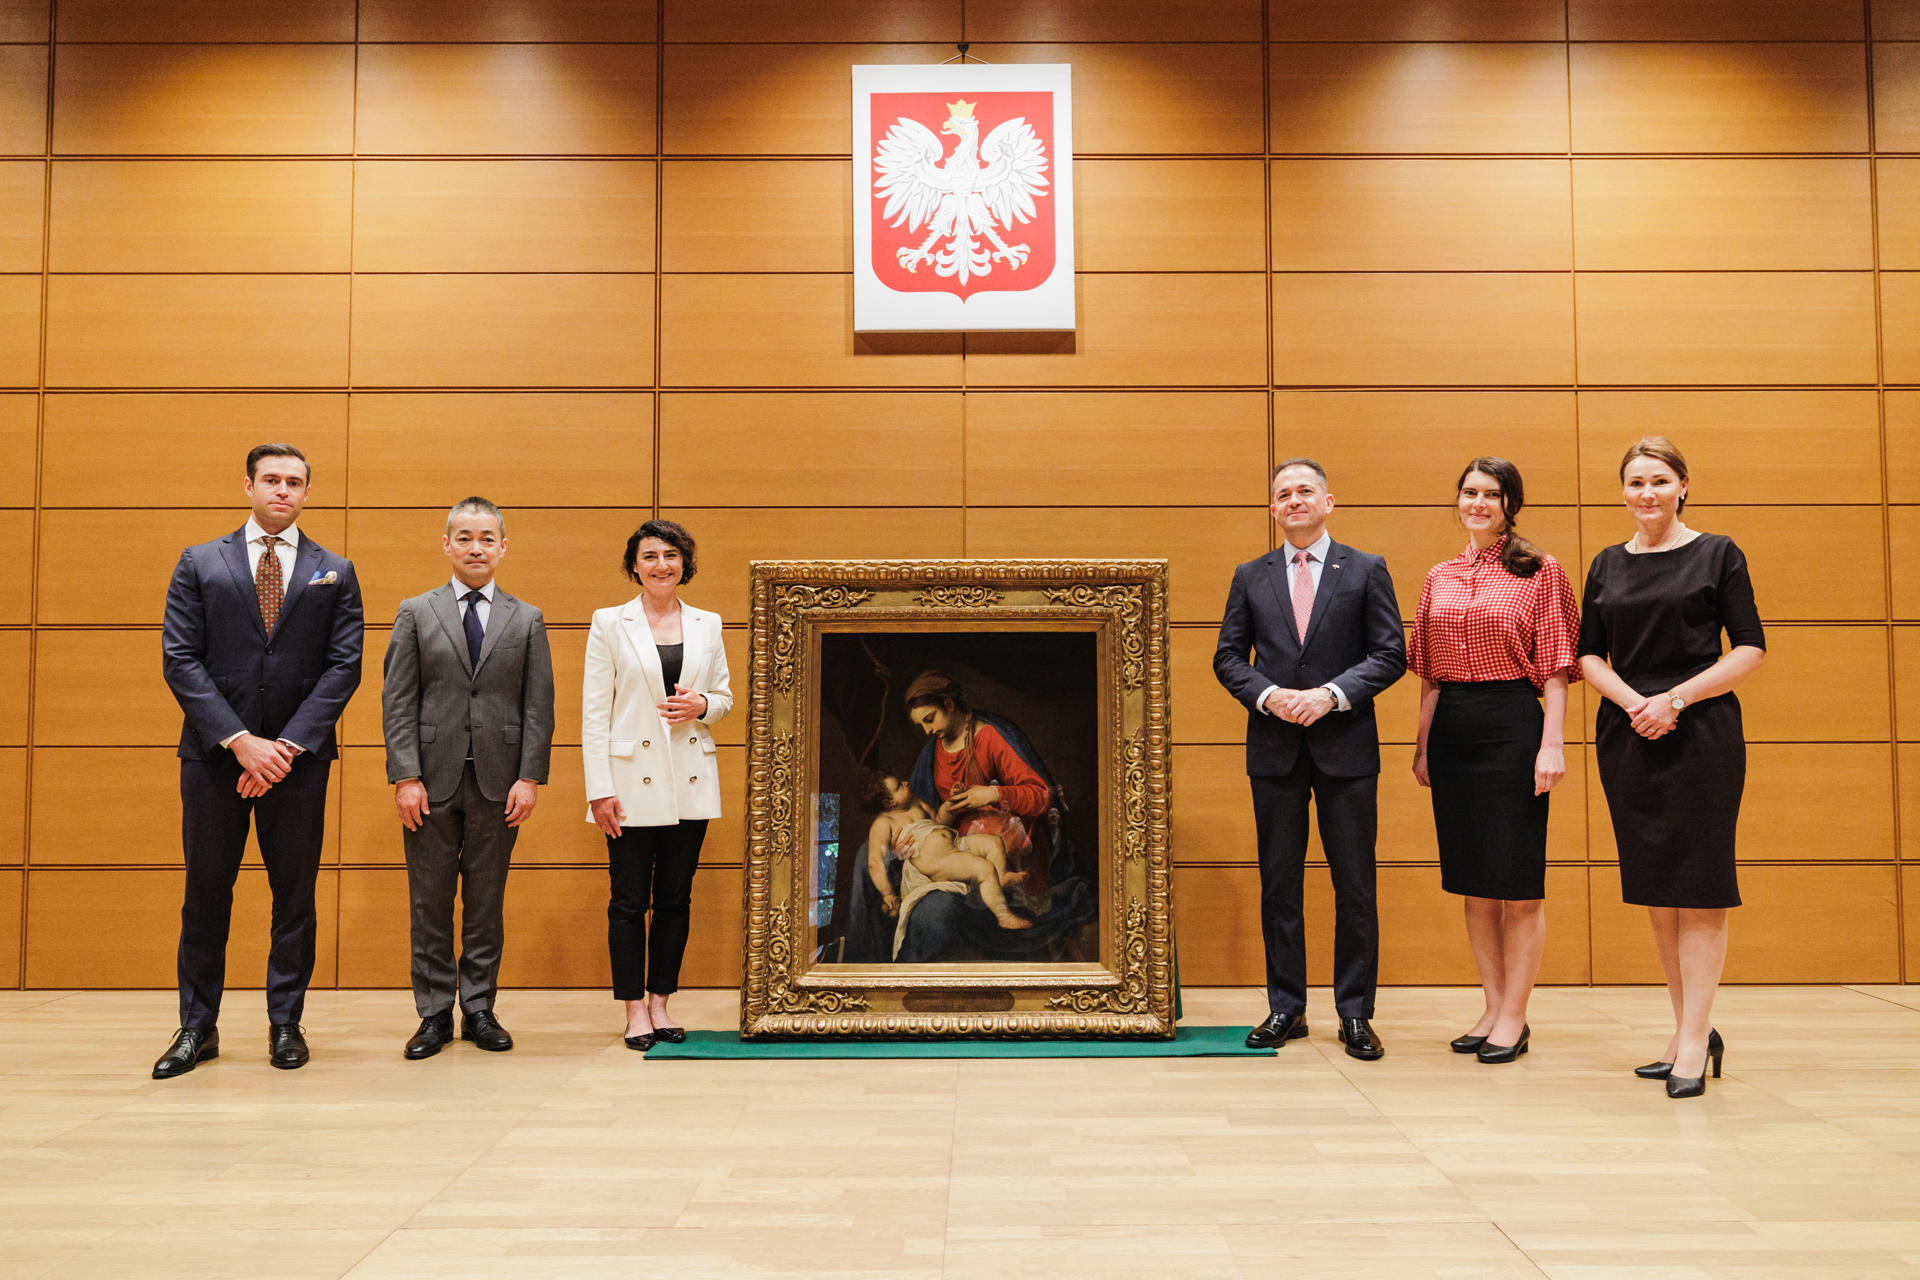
x,y
1506,1052
1467,1044
1662,1070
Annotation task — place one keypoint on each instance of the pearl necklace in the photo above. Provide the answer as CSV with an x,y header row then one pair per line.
x,y
1640,548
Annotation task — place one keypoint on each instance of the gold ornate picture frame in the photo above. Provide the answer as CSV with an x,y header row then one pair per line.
x,y
958,800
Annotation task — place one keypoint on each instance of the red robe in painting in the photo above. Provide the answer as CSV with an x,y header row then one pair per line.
x,y
1024,799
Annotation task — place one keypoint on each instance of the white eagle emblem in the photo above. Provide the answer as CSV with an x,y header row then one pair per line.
x,y
979,190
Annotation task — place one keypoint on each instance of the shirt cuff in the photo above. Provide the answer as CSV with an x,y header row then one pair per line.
x,y
1260,703
297,748
1340,702
232,738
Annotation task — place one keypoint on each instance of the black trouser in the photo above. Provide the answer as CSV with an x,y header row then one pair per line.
x,y
463,842
290,820
651,866
1349,815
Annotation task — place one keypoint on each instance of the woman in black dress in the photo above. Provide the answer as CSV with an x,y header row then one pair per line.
x,y
1673,759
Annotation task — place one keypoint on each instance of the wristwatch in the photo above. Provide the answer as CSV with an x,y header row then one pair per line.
x,y
1332,696
1677,702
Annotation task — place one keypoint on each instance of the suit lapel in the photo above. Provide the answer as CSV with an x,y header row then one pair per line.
x,y
693,634
497,619
633,620
1331,578
305,559
1277,572
233,551
447,609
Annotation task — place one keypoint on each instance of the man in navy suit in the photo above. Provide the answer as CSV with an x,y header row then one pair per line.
x,y
1323,630
262,650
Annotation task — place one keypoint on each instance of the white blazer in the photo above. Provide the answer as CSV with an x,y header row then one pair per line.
x,y
662,773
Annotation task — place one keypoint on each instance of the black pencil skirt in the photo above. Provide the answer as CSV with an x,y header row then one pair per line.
x,y
1491,827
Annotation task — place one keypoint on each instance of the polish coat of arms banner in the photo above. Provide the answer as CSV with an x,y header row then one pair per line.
x,y
962,198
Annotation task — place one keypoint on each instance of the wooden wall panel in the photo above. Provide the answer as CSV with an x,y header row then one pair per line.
x,y
1418,20
1903,445
1421,215
1798,924
69,578
1910,947
801,332
419,449
1906,684
1896,97
23,100
16,655
566,560
770,100
1397,98
197,331
20,426
853,450
1715,328
1422,330
1414,539
23,213
1900,324
1740,446
376,916
1723,215
503,330
19,331
201,215
189,449
747,21
1071,449
1168,215
505,20
994,20
797,219
26,21
557,934
1201,545
13,805
201,99
16,579
1138,330
1909,795
12,885
70,827
1903,542
1899,196
1213,819
1204,712
121,928
1895,20
503,215
729,538
1406,448
1716,20
1155,99
1857,711
1853,588
102,689
506,99
206,21
1719,98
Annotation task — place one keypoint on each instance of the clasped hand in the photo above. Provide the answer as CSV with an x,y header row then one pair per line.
x,y
1652,717
681,706
263,762
1300,706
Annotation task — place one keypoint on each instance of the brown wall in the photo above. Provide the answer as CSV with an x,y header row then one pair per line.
x,y
592,261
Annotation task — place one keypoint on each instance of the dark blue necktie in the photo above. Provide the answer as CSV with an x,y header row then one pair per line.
x,y
475,632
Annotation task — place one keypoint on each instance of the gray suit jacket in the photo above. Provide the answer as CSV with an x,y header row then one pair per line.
x,y
439,711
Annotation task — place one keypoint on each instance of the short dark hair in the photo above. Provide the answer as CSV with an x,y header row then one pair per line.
x,y
480,505
260,451
1298,462
667,531
875,795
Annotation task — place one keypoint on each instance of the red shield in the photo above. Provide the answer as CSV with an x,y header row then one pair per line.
x,y
964,226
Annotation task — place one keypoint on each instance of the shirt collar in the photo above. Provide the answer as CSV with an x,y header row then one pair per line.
x,y
1497,546
289,535
1316,551
460,590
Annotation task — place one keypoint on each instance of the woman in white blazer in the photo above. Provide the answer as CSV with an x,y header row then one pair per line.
x,y
656,680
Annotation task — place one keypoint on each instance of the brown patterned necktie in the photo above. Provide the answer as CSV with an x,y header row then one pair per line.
x,y
268,583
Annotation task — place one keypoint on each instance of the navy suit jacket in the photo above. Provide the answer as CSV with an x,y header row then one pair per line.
x,y
1354,639
228,674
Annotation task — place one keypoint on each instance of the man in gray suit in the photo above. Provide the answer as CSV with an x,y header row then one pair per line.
x,y
468,706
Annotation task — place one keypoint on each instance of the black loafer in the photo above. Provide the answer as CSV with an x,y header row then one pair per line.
x,y
191,1047
670,1035
641,1043
485,1031
286,1046
435,1034
1277,1030
1358,1035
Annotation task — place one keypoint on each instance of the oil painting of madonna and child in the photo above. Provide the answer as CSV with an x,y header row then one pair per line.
x,y
958,806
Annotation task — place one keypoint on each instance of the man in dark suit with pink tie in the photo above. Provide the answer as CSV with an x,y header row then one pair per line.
x,y
1311,637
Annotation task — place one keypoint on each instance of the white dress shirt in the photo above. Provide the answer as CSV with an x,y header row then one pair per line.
x,y
485,606
1315,566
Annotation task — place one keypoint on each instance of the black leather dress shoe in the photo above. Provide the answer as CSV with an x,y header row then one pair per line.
x,y
1491,1052
435,1033
191,1047
485,1031
1357,1034
286,1047
1277,1030
1467,1044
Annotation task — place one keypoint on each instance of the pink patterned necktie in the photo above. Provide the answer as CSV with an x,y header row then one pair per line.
x,y
1302,594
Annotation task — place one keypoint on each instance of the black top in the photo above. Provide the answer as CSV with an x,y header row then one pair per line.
x,y
1657,617
672,656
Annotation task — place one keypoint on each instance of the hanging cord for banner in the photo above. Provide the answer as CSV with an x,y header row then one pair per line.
x,y
964,56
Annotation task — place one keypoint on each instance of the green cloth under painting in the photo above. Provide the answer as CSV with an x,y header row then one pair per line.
x,y
1188,1042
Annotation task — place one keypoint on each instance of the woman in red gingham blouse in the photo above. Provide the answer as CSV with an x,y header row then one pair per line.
x,y
1495,637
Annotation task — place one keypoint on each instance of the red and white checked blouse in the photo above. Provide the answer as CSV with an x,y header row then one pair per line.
x,y
1479,622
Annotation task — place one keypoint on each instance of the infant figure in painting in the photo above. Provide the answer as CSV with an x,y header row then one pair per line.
x,y
924,839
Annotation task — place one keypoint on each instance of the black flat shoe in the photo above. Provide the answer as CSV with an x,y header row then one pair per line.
x,y
286,1046
1467,1044
1277,1030
1716,1049
435,1034
191,1047
670,1035
485,1031
1506,1052
641,1043
1361,1040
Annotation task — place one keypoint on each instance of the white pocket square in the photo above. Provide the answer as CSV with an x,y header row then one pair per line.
x,y
326,579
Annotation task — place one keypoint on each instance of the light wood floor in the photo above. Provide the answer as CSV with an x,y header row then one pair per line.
x,y
572,1157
